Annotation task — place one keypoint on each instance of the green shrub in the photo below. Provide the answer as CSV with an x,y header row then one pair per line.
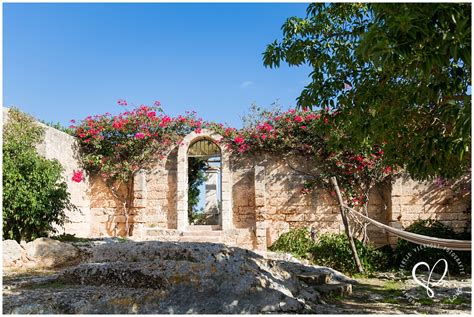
x,y
34,195
436,229
297,242
333,250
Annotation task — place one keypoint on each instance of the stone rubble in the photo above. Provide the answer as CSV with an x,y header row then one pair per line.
x,y
42,252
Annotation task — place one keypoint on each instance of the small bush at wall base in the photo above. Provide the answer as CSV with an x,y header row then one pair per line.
x,y
405,251
332,250
297,242
34,195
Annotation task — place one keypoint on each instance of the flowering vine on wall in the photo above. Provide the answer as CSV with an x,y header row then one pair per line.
x,y
116,147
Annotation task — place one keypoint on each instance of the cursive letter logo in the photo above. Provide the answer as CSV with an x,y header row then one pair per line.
x,y
427,284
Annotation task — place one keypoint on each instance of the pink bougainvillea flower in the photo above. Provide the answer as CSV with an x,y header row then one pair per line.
x,y
77,176
243,148
326,120
139,135
298,119
157,103
263,136
239,140
198,130
151,114
72,121
387,170
304,127
117,124
122,102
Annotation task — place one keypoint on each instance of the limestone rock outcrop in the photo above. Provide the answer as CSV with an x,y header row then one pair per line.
x,y
12,252
167,277
47,252
39,253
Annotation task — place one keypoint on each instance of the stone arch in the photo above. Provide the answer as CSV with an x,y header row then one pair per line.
x,y
182,188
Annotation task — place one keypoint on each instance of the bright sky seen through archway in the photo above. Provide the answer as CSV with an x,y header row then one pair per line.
x,y
68,61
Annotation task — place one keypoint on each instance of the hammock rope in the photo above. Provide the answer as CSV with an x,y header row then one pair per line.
x,y
439,243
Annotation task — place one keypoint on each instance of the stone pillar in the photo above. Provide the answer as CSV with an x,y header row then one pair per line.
x,y
260,205
182,189
140,189
227,217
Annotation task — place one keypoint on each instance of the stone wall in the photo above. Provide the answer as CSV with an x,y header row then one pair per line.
x,y
154,203
243,193
412,201
398,204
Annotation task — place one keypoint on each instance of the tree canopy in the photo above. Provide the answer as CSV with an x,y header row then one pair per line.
x,y
398,74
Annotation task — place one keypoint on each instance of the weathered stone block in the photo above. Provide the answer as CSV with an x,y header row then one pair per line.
x,y
295,217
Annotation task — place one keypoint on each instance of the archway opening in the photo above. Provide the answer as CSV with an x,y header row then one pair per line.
x,y
204,183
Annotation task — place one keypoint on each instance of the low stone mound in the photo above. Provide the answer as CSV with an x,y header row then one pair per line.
x,y
39,253
169,277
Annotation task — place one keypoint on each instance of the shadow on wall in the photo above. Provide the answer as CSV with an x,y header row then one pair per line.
x,y
445,193
172,208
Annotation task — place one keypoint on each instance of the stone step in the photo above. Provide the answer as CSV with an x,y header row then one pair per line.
x,y
203,228
315,278
201,233
161,232
334,289
200,239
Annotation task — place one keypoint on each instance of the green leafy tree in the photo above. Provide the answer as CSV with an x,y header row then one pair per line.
x,y
34,193
399,74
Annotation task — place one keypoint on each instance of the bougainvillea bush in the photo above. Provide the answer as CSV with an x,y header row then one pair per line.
x,y
314,134
116,147
317,135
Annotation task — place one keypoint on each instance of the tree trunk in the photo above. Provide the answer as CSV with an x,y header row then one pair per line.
x,y
346,226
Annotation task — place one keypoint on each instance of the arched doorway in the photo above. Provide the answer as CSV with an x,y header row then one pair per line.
x,y
204,183
204,146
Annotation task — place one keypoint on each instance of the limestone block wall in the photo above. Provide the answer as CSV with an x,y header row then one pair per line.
x,y
287,208
412,201
154,203
399,204
62,147
243,193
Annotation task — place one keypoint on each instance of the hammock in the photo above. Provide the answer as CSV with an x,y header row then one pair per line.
x,y
460,245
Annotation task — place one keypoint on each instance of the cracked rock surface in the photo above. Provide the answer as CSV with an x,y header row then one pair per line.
x,y
167,277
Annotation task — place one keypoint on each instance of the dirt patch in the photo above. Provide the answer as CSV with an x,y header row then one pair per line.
x,y
387,295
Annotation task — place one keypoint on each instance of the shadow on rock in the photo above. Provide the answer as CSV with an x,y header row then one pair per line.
x,y
175,277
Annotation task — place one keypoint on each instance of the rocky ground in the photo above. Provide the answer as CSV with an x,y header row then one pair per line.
x,y
168,277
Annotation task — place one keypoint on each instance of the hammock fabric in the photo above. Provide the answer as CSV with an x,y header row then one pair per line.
x,y
460,245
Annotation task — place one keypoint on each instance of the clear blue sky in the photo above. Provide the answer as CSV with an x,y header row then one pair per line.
x,y
66,61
